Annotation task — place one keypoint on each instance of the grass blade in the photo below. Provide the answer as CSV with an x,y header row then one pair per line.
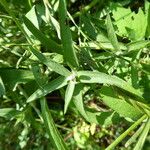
x,y
51,129
32,16
69,51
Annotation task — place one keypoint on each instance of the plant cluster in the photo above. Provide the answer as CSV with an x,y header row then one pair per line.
x,y
74,74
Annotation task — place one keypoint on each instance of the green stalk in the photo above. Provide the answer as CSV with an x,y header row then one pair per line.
x,y
123,135
86,8
142,138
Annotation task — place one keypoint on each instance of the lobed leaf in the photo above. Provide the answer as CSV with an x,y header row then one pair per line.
x,y
130,24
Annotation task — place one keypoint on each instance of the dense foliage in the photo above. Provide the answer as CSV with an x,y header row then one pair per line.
x,y
74,74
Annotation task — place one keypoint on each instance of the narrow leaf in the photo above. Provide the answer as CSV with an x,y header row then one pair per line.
x,y
56,67
32,16
51,129
2,88
69,51
48,88
8,113
137,45
111,34
119,105
12,76
69,94
39,77
99,77
51,64
49,43
78,100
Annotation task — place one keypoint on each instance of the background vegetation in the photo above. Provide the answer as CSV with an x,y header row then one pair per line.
x,y
74,74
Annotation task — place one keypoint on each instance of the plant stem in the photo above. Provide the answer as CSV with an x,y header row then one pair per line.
x,y
123,135
86,8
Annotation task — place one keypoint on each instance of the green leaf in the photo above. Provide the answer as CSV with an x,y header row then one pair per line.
x,y
78,100
51,64
12,77
129,23
5,5
88,27
56,67
69,94
137,45
99,77
48,88
119,105
31,15
2,87
8,113
51,129
49,43
148,21
135,77
102,118
39,77
69,51
111,34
